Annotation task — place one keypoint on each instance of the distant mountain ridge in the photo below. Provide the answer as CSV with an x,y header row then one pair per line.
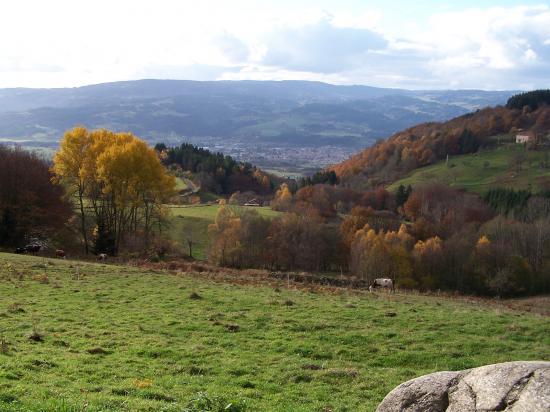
x,y
231,116
20,99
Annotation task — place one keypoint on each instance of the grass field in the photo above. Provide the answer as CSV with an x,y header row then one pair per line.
x,y
116,338
193,221
483,171
180,184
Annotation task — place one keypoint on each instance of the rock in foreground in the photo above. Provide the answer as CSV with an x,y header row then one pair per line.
x,y
511,386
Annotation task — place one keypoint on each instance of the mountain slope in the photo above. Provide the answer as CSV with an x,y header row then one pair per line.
x,y
425,144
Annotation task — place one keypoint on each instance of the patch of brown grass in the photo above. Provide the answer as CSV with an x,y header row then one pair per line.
x,y
42,278
313,284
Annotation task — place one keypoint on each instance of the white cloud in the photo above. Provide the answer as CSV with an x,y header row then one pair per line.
x,y
502,40
67,43
320,47
233,48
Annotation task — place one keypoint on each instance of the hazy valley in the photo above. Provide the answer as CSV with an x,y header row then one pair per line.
x,y
289,126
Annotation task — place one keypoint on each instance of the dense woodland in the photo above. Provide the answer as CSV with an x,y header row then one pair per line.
x,y
216,172
440,238
533,100
30,204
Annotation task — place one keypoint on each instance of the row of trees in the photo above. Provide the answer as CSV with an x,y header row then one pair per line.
x,y
290,242
519,204
329,201
117,184
320,177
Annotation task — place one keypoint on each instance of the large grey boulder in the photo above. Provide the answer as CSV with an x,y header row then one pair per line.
x,y
510,386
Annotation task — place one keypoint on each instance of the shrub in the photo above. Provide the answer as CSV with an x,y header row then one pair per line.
x,y
203,402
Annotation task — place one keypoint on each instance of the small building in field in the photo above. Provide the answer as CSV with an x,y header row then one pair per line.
x,y
253,202
524,137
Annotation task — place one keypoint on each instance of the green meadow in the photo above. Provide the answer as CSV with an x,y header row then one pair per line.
x,y
484,170
89,337
191,222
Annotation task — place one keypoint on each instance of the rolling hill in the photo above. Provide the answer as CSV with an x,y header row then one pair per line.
x,y
428,143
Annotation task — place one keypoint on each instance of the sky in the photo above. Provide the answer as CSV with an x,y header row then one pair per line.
x,y
466,44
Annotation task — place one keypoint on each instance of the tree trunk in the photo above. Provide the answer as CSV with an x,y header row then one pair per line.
x,y
83,219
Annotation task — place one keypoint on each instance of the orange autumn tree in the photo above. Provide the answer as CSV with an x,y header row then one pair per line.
x,y
225,235
118,183
382,254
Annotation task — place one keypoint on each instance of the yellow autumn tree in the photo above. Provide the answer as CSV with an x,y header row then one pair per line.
x,y
427,255
283,198
135,182
70,170
225,236
382,254
119,177
483,243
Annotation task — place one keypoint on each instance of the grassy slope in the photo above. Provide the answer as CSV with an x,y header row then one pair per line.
x,y
470,172
152,330
195,220
180,184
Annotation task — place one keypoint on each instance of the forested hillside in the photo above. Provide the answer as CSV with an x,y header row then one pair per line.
x,y
215,172
428,143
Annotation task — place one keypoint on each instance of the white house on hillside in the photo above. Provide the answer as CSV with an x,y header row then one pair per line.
x,y
252,202
524,137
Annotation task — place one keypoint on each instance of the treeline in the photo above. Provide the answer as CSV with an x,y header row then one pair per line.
x,y
507,201
440,238
215,172
427,143
320,177
31,205
244,239
533,100
330,201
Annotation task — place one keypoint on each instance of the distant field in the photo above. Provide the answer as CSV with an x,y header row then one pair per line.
x,y
283,172
194,220
484,170
116,338
180,184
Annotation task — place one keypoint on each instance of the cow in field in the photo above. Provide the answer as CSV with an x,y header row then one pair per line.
x,y
102,257
20,250
33,248
60,253
385,283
